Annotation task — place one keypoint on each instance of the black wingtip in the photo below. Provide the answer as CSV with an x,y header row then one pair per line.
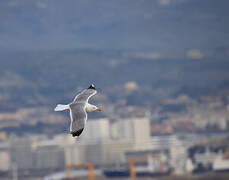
x,y
77,133
92,86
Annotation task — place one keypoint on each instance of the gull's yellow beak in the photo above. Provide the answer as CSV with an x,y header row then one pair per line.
x,y
99,109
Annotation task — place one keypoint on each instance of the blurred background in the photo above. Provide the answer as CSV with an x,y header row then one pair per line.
x,y
161,70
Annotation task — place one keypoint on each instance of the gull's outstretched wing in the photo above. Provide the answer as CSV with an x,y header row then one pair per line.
x,y
85,94
78,118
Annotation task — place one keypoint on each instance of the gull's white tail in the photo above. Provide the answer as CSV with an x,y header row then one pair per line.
x,y
61,107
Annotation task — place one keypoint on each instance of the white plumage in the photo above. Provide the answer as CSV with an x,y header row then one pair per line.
x,y
79,109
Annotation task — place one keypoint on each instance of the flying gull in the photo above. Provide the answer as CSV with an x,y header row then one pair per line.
x,y
79,109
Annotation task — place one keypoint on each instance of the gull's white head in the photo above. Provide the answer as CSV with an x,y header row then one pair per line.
x,y
91,108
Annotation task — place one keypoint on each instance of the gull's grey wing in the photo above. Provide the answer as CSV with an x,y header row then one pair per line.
x,y
85,95
78,118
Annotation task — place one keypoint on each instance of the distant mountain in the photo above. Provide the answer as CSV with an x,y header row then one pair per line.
x,y
172,26
49,77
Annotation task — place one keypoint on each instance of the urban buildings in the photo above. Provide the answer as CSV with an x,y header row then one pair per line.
x,y
106,144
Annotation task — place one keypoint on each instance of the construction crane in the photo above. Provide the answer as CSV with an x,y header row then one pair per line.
x,y
132,162
88,165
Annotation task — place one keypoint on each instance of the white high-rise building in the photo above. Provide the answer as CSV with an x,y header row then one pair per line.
x,y
125,129
137,129
5,161
142,133
95,130
178,154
